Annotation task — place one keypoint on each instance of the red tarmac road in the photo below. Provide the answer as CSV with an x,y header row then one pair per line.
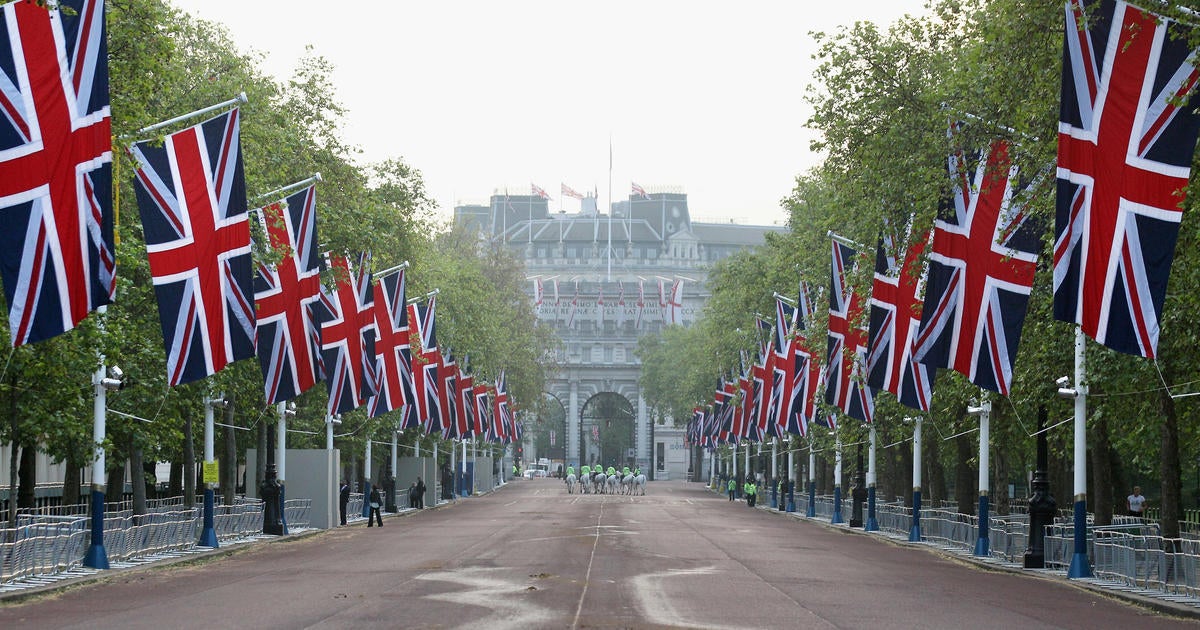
x,y
532,556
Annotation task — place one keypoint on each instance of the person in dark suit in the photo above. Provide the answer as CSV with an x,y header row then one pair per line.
x,y
343,499
420,494
376,503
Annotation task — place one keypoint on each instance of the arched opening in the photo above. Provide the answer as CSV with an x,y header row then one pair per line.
x,y
549,430
609,423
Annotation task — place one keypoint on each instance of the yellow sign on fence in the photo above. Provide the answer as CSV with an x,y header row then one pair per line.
x,y
212,472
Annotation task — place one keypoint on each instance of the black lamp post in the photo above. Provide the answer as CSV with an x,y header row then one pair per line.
x,y
269,491
1041,505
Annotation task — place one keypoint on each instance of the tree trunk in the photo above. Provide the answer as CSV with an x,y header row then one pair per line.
x,y
28,473
14,448
966,476
999,495
175,480
71,484
934,472
229,466
906,476
189,461
137,478
1100,495
115,485
1169,469
260,463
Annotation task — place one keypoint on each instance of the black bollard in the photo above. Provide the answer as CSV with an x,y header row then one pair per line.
x,y
1041,504
389,489
858,495
269,491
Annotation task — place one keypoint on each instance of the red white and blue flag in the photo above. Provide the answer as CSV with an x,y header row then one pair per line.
x,y
808,375
981,269
393,357
641,305
422,340
675,304
502,422
537,190
56,241
638,191
452,427
895,319
289,340
483,408
845,361
567,191
346,314
1125,147
192,199
465,401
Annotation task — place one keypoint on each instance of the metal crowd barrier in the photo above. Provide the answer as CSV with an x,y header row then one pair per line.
x,y
42,548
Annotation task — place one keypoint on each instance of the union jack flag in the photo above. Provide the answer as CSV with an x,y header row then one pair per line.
x,y
502,421
422,340
465,402
789,362
538,294
347,317
675,303
639,191
981,270
807,378
56,245
452,425
289,340
1125,148
895,317
620,305
845,361
567,191
662,302
483,408
537,190
641,305
393,357
192,200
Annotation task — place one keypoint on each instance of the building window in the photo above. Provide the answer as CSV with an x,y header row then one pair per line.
x,y
571,252
608,354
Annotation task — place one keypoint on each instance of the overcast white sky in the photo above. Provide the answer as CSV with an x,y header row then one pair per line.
x,y
486,95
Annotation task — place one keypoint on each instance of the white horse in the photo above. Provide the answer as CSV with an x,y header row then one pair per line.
x,y
598,480
570,483
639,484
627,484
612,484
585,484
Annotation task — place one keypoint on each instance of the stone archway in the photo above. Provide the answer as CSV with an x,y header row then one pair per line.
x,y
549,433
608,431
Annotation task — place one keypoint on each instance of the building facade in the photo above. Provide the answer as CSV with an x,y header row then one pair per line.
x,y
603,280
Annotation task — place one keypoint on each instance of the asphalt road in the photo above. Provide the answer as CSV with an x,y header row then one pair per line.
x,y
532,556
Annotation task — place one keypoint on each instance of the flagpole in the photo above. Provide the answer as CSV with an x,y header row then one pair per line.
x,y
283,190
403,265
609,252
422,298
845,241
240,98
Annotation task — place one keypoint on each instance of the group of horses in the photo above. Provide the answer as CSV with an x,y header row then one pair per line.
x,y
599,483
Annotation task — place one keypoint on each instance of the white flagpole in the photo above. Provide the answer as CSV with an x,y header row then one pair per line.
x,y
283,190
240,98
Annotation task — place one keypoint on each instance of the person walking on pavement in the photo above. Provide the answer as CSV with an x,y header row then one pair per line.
x,y
732,488
343,499
751,494
412,496
376,503
420,494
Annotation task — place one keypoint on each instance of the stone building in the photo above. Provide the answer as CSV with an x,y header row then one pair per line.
x,y
603,280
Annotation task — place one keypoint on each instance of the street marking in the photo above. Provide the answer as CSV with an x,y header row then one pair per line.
x,y
493,594
656,605
588,576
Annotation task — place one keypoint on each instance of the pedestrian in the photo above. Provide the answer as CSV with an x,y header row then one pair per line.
x,y
343,499
751,494
732,488
420,494
412,496
376,503
1136,503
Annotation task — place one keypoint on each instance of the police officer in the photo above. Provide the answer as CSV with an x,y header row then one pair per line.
x,y
732,488
751,493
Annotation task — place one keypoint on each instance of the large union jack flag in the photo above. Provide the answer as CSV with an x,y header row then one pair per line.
x,y
808,380
465,401
1125,147
289,340
56,243
845,361
422,340
452,425
503,428
483,408
895,318
393,357
981,268
192,200
347,316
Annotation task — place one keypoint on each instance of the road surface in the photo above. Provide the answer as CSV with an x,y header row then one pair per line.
x,y
531,556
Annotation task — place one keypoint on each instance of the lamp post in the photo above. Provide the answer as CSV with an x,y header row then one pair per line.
x,y
208,534
914,534
984,411
872,524
1080,566
837,482
286,410
812,481
102,382
366,509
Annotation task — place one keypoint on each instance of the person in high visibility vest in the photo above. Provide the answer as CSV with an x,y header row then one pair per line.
x,y
610,472
732,488
751,494
516,472
570,470
585,471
